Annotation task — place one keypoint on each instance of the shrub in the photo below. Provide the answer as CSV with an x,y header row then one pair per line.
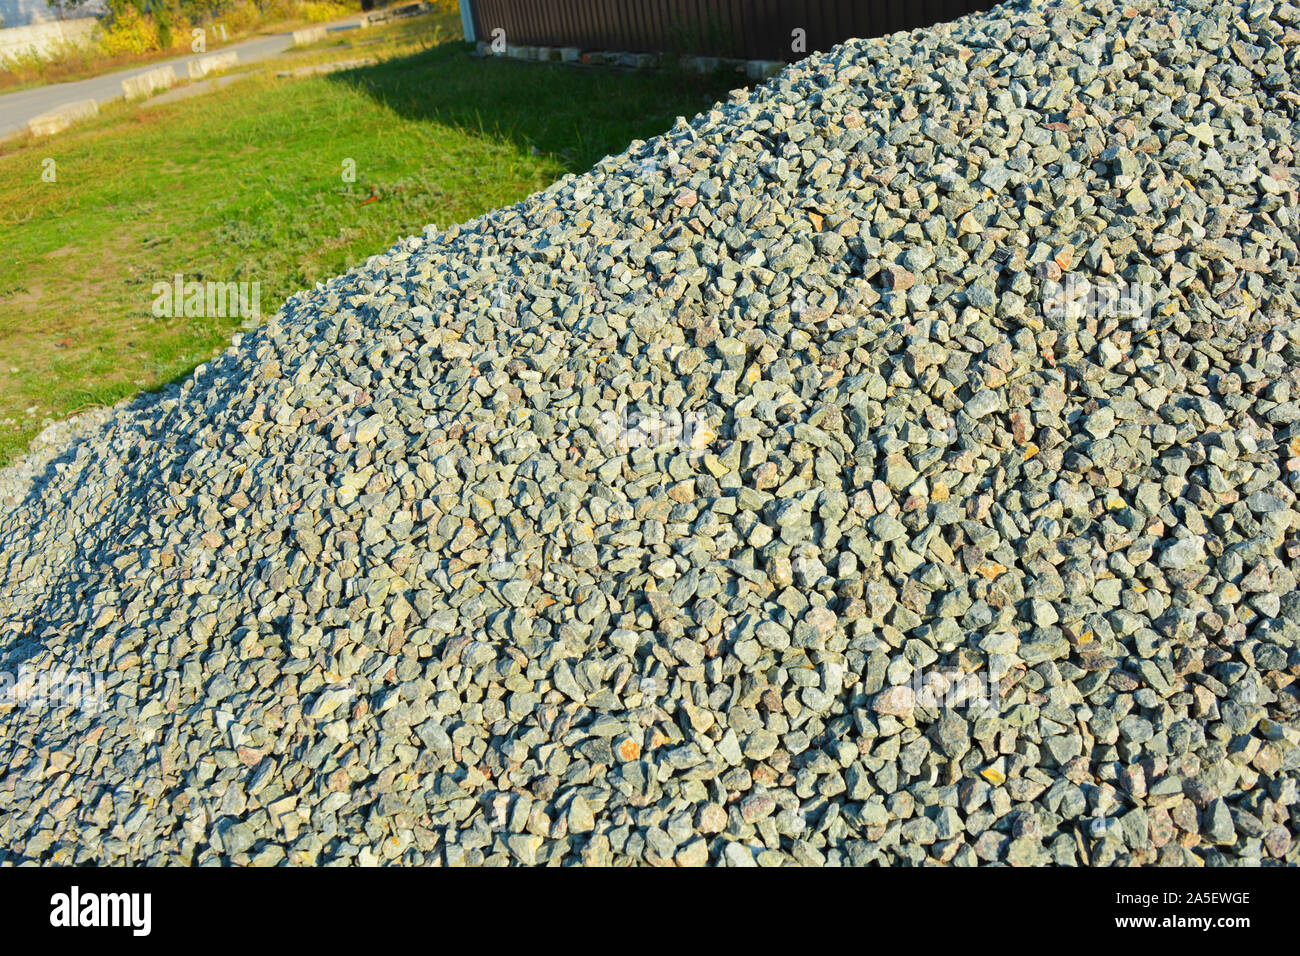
x,y
239,17
130,32
323,11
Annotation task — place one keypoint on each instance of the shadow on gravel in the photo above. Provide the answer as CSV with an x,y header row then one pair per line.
x,y
577,115
93,549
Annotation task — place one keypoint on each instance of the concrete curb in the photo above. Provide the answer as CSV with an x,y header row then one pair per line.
x,y
164,77
319,69
215,63
197,88
58,120
308,35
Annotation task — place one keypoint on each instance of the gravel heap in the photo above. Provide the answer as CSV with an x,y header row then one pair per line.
x,y
933,569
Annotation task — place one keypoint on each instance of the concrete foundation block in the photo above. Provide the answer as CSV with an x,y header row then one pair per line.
x,y
56,121
161,78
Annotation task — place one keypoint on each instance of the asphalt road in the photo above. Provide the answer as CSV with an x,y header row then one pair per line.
x,y
17,108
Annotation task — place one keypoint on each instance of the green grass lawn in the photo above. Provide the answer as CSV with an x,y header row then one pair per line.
x,y
246,184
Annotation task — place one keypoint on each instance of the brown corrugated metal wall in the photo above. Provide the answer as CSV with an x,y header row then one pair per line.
x,y
745,29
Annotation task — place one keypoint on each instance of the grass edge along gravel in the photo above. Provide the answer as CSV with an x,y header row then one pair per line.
x,y
247,184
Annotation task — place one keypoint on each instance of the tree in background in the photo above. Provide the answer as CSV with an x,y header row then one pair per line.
x,y
62,7
138,26
166,14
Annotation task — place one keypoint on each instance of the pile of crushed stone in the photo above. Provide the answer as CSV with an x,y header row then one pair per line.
x,y
768,494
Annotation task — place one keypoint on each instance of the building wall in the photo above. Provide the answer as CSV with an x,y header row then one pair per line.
x,y
45,39
21,13
749,29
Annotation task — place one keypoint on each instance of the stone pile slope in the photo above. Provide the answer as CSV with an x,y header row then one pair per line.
x,y
752,498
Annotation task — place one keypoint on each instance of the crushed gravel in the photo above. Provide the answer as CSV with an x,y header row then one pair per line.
x,y
755,498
